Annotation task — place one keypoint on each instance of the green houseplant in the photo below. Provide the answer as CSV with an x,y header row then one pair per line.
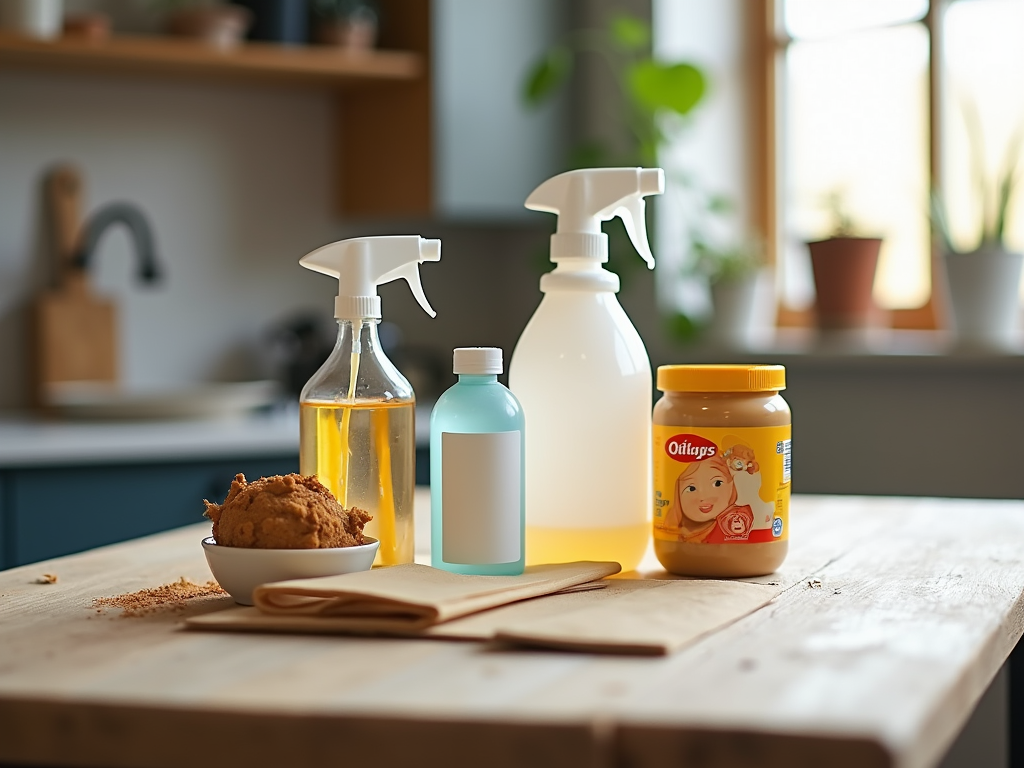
x,y
983,279
655,96
736,274
653,92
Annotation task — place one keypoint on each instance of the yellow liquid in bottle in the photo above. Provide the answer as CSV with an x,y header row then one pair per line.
x,y
365,453
625,545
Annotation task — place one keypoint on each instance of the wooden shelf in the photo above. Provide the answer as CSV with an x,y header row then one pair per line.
x,y
384,156
319,66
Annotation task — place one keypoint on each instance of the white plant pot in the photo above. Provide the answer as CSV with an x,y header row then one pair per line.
x,y
984,298
41,19
742,310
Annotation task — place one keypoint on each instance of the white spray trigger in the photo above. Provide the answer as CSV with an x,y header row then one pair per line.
x,y
631,212
582,199
411,274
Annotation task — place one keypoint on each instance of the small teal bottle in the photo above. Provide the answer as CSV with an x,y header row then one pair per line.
x,y
477,464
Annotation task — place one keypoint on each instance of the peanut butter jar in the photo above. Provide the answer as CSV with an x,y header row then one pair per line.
x,y
722,466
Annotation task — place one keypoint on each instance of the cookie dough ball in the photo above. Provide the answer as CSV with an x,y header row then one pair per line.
x,y
284,512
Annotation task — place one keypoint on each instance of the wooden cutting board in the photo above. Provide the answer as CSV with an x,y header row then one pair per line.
x,y
74,337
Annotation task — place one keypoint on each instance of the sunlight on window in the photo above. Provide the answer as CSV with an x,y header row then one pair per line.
x,y
809,19
856,127
985,68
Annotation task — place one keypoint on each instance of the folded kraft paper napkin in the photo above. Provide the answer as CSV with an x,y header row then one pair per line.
x,y
574,607
413,597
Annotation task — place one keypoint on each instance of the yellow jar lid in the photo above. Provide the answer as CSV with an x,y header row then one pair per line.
x,y
721,378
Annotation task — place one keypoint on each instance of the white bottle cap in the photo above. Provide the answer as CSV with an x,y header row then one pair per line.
x,y
478,360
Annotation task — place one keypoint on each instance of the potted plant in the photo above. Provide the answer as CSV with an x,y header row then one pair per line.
x,y
348,24
737,276
220,25
983,280
278,21
844,274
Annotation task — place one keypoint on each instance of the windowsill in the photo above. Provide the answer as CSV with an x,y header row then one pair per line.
x,y
883,348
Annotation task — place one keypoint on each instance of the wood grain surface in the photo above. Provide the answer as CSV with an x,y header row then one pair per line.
x,y
897,615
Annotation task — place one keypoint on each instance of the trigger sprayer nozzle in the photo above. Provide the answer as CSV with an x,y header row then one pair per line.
x,y
583,199
361,264
651,181
430,250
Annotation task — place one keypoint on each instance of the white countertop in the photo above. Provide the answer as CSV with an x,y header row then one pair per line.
x,y
26,441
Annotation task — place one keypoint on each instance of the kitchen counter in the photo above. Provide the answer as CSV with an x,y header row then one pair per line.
x,y
897,614
31,442
69,486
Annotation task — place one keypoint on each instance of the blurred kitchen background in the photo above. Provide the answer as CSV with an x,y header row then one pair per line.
x,y
202,148
204,164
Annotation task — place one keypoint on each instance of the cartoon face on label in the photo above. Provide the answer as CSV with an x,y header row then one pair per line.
x,y
736,522
706,489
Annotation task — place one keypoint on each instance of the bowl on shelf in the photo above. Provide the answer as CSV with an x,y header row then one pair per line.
x,y
220,26
91,401
239,570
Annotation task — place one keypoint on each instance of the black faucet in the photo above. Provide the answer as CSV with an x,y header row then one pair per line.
x,y
142,234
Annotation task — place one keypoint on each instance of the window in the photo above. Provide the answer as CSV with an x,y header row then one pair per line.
x,y
984,66
872,102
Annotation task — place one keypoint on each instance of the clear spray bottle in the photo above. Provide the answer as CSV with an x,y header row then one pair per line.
x,y
357,413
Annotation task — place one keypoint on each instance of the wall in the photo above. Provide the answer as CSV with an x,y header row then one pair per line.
x,y
235,184
490,149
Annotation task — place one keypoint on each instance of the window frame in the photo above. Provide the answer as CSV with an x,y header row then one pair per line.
x,y
768,43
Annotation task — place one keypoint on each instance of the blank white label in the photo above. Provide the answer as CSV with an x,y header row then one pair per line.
x,y
480,497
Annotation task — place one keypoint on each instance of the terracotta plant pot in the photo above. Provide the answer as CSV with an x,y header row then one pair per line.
x,y
221,26
94,27
844,274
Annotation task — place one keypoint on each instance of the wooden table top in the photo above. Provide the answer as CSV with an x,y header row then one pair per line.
x,y
896,616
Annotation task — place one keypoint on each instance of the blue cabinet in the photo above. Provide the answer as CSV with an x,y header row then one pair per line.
x,y
52,511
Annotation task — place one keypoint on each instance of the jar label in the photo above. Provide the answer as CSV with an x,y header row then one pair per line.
x,y
717,485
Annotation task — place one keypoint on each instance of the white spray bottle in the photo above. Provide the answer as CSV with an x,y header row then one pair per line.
x,y
357,413
583,377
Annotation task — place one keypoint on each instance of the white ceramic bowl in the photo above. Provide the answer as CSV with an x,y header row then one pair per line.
x,y
240,570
